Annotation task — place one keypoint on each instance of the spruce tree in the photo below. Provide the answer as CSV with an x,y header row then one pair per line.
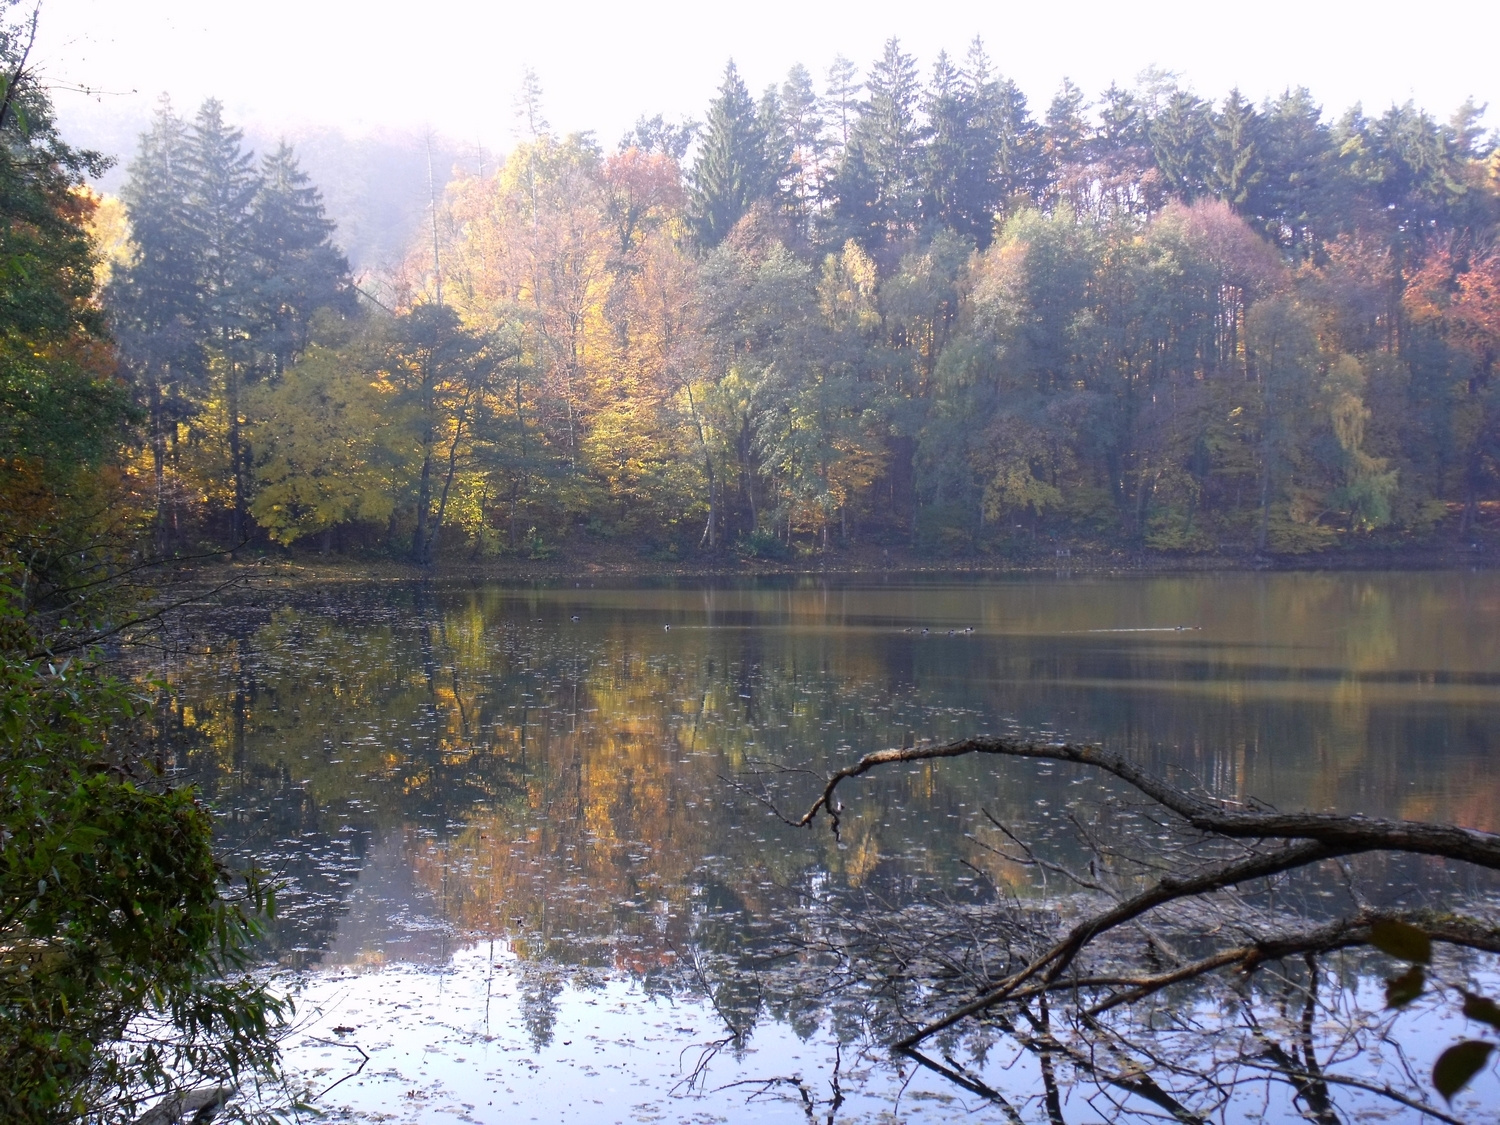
x,y
1180,136
299,269
879,183
1236,168
1066,128
1007,138
802,123
222,189
732,170
1300,161
949,113
154,301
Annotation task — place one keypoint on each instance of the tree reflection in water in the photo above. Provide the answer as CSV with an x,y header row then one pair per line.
x,y
432,767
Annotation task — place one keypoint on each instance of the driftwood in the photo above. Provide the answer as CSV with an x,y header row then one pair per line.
x,y
1267,844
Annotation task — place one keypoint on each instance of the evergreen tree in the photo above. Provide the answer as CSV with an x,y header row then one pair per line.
x,y
300,270
1006,139
841,101
154,301
802,126
59,406
1179,134
732,170
879,185
776,134
222,189
1236,165
1066,128
1298,155
1122,128
949,112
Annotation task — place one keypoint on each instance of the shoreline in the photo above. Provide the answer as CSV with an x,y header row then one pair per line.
x,y
613,564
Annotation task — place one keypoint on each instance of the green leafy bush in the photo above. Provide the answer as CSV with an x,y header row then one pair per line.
x,y
123,945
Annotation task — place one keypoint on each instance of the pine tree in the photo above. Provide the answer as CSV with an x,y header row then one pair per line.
x,y
731,171
154,301
1006,140
299,268
1236,152
802,123
947,177
1180,135
841,101
223,186
879,183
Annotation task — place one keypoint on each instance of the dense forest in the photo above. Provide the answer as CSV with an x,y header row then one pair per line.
x,y
894,311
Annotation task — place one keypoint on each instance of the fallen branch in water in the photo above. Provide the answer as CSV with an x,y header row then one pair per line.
x,y
1265,844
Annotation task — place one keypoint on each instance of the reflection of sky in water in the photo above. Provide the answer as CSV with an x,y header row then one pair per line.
x,y
489,1039
431,767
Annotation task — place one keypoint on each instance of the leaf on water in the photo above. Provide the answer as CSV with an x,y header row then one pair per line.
x,y
1483,1009
1402,940
1401,991
1458,1064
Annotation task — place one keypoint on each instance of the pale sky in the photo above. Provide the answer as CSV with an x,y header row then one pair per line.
x,y
455,65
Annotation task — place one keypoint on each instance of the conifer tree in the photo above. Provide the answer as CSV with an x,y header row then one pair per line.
x,y
154,300
1007,139
1299,158
949,111
222,189
1236,168
732,170
1066,127
802,124
299,269
841,101
879,183
1179,135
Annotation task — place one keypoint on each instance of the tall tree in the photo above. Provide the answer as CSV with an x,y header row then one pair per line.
x,y
222,187
841,100
802,125
299,269
153,300
1179,135
59,406
1236,167
732,170
879,184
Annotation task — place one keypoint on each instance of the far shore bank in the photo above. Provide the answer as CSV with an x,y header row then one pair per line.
x,y
612,563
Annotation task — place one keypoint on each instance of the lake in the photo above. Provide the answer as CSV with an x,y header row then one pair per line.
x,y
530,860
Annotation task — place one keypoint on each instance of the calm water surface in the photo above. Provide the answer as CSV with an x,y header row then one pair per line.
x,y
520,827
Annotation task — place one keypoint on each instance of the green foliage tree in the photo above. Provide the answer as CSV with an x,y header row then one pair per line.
x,y
733,168
122,971
59,405
879,182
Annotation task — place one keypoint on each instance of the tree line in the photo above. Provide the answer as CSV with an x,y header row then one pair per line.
x,y
894,310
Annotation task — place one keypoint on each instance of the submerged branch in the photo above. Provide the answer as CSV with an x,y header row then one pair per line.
x,y
1342,834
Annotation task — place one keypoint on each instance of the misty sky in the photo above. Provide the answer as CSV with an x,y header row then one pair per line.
x,y
454,65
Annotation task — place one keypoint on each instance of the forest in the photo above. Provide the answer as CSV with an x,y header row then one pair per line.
x,y
884,309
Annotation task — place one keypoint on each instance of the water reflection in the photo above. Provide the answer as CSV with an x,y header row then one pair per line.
x,y
549,768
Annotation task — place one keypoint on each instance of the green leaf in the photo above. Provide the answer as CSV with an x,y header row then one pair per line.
x,y
1401,991
1401,940
1458,1064
1483,1009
